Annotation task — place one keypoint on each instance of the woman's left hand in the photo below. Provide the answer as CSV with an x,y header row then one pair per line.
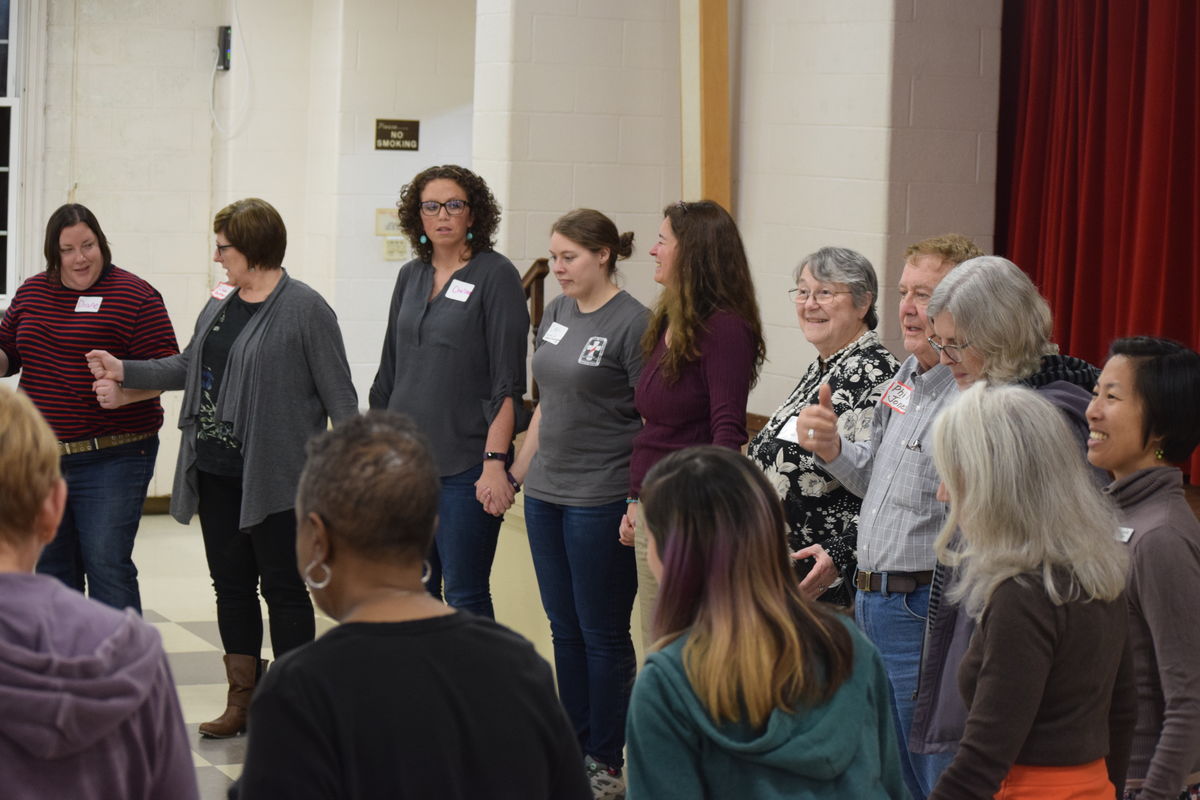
x,y
823,573
492,490
109,393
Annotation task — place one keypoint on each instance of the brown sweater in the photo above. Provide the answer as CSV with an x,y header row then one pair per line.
x,y
1164,596
1045,685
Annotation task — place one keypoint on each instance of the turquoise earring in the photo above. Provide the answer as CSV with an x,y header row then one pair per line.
x,y
424,239
470,236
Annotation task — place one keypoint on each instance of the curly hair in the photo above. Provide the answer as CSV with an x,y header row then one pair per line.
x,y
711,273
485,211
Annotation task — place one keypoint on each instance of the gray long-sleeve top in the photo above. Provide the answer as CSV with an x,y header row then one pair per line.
x,y
287,375
1163,592
449,362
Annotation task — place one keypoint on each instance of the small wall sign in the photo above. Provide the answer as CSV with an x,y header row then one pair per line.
x,y
397,134
387,222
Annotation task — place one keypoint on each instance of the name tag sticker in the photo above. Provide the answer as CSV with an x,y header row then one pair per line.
x,y
788,432
88,304
1124,534
555,333
897,396
222,290
460,290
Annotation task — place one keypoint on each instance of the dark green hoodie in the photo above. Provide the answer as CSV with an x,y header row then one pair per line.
x,y
844,748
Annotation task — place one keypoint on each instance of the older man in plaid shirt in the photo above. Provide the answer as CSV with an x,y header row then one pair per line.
x,y
894,474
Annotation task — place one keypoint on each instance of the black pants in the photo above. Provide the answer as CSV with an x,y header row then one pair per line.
x,y
237,560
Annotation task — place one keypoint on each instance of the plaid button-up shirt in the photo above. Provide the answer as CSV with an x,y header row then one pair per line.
x,y
894,474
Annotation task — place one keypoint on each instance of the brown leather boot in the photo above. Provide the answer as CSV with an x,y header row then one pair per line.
x,y
243,673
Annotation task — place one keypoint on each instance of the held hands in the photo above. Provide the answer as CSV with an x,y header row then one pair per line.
x,y
816,427
109,393
492,490
626,533
822,575
104,365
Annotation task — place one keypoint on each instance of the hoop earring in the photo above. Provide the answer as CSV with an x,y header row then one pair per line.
x,y
426,572
321,584
424,239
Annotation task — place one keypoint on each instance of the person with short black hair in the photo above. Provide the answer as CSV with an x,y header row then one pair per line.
x,y
265,370
407,697
1143,420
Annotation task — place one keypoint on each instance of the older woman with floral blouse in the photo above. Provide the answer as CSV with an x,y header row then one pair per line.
x,y
835,297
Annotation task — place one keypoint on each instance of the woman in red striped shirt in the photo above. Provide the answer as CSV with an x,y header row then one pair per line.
x,y
81,301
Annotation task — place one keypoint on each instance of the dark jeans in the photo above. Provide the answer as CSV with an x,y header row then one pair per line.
x,y
895,624
237,559
587,580
94,544
464,546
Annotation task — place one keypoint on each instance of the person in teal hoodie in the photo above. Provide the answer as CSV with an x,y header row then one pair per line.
x,y
751,691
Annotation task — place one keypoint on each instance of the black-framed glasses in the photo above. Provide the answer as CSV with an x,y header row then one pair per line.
x,y
822,296
221,248
431,208
952,351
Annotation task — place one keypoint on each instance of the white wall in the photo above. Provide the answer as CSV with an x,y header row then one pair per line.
x,y
577,105
868,125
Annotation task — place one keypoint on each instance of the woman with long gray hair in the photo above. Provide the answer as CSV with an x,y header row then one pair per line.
x,y
1048,676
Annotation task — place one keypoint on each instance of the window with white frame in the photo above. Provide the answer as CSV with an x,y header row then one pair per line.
x,y
9,185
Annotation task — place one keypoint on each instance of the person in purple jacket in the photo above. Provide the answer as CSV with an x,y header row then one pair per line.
x,y
90,709
701,353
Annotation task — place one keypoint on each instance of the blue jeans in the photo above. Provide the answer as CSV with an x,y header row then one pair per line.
x,y
895,624
587,579
93,548
464,546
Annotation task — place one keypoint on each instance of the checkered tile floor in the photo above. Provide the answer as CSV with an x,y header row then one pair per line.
x,y
177,599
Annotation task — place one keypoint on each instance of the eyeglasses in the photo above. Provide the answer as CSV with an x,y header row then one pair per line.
x,y
221,248
952,351
822,296
431,208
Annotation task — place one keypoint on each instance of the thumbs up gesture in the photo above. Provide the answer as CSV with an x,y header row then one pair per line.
x,y
816,427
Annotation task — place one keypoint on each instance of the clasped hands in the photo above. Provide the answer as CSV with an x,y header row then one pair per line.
x,y
108,372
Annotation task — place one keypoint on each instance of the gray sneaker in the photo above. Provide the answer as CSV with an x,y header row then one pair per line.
x,y
607,783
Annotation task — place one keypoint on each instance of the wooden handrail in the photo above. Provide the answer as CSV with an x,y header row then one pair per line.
x,y
534,284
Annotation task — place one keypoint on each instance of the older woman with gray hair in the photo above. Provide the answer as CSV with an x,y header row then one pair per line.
x,y
991,325
835,298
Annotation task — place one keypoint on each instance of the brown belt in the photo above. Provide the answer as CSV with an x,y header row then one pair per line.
x,y
891,582
99,443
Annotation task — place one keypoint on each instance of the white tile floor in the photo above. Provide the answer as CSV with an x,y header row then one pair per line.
x,y
177,598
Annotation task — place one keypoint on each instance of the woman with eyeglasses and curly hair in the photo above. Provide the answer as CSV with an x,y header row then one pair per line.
x,y
752,690
454,360
702,352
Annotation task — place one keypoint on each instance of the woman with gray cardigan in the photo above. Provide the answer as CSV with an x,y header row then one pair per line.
x,y
265,370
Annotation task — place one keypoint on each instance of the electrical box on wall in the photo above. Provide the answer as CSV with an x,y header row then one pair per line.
x,y
224,45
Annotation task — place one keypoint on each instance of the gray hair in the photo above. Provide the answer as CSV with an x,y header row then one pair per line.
x,y
1024,501
841,265
999,312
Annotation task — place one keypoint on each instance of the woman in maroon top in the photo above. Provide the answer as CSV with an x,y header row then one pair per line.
x,y
702,352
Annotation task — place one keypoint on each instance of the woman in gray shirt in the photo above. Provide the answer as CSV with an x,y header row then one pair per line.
x,y
575,464
454,360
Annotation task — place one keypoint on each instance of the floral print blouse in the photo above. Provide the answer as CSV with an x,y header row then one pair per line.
x,y
819,509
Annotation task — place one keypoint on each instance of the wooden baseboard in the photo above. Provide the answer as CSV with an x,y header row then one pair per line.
x,y
157,505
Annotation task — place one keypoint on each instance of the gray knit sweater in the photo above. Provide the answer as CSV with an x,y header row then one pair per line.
x,y
287,375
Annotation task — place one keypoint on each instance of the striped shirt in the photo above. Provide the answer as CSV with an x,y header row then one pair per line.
x,y
47,330
894,474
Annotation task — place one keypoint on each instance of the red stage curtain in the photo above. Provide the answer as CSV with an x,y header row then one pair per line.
x,y
1097,175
